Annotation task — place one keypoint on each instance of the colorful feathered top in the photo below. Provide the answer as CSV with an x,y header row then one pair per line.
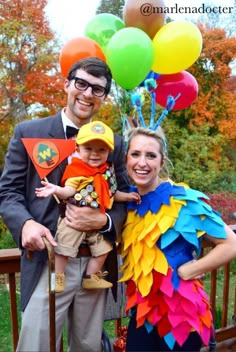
x,y
160,234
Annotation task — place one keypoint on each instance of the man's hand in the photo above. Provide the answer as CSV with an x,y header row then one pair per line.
x,y
84,218
32,233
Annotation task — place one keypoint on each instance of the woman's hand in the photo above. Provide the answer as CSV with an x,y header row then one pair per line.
x,y
223,251
187,271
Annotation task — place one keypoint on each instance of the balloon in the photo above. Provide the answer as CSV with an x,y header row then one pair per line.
x,y
130,56
181,82
142,14
77,49
177,45
102,27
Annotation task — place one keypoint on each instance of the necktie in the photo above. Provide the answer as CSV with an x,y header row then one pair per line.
x,y
71,131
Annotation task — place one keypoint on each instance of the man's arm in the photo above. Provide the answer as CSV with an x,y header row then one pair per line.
x,y
13,206
84,218
14,196
118,212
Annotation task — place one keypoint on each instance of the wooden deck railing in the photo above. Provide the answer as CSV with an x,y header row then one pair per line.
x,y
10,265
223,299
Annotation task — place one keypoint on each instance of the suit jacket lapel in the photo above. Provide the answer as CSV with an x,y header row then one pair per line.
x,y
56,131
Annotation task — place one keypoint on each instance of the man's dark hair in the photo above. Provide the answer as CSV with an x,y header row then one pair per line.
x,y
95,67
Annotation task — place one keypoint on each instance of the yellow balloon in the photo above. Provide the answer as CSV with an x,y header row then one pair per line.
x,y
177,45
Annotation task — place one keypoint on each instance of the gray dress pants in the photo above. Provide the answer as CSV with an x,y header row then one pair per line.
x,y
82,311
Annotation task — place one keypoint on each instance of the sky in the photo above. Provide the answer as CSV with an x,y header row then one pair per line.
x,y
68,18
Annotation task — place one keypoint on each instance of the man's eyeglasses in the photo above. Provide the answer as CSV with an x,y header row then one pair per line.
x,y
82,85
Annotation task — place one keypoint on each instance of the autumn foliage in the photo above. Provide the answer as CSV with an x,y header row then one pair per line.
x,y
224,203
216,104
30,83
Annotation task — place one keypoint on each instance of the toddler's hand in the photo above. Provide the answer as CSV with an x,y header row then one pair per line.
x,y
47,190
135,197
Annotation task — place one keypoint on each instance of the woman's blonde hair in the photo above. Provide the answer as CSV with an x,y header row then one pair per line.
x,y
159,136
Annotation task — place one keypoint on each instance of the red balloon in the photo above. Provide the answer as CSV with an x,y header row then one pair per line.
x,y
77,49
144,15
181,82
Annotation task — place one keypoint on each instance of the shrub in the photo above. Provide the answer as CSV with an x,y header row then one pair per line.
x,y
6,239
225,203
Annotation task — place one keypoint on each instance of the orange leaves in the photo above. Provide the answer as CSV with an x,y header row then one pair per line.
x,y
110,114
216,104
28,62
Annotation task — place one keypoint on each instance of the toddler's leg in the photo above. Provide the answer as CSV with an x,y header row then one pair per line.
x,y
60,265
93,278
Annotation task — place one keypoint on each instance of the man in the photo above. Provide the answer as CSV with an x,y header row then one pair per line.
x,y
30,218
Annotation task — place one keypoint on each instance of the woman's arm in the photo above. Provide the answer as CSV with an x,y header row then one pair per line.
x,y
223,252
17,198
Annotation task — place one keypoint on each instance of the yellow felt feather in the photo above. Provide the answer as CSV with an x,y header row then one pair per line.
x,y
137,272
160,263
140,236
145,284
137,249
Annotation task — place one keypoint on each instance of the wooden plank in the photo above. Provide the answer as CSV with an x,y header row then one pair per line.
x,y
10,260
226,333
13,305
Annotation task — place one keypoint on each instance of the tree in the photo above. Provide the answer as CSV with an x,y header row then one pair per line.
x,y
30,83
114,7
109,113
202,135
218,19
198,157
215,105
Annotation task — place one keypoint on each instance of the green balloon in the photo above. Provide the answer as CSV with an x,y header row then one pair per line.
x,y
102,27
130,55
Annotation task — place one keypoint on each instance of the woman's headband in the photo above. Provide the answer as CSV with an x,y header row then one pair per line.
x,y
137,100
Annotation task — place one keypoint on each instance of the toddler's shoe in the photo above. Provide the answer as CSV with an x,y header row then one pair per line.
x,y
95,281
60,282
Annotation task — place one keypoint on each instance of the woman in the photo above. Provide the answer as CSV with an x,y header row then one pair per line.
x,y
168,306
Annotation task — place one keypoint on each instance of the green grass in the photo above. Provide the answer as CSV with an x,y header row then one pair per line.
x,y
110,326
5,325
6,240
6,344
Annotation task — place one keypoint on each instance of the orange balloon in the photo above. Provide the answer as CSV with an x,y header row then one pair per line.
x,y
77,49
144,15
